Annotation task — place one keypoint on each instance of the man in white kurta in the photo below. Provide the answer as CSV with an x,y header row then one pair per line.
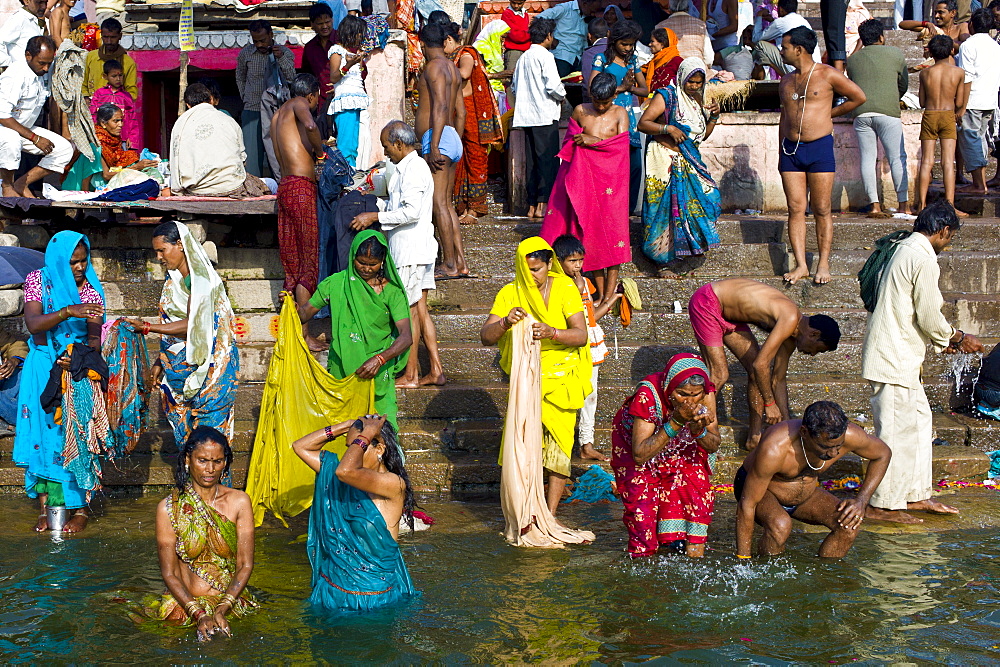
x,y
22,96
907,317
407,220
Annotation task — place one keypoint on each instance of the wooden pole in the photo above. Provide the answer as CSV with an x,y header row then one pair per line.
x,y
183,82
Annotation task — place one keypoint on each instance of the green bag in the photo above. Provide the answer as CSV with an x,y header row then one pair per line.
x,y
870,274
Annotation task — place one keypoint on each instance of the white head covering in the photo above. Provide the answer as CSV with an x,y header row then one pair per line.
x,y
207,290
689,110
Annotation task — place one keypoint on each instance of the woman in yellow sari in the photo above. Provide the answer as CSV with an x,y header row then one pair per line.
x,y
542,291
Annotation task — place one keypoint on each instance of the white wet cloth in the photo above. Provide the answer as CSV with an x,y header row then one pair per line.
x,y
522,494
903,422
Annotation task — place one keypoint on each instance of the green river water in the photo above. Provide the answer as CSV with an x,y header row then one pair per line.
x,y
930,595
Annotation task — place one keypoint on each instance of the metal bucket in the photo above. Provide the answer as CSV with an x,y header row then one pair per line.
x,y
57,517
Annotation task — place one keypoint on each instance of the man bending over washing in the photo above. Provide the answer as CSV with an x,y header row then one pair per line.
x,y
720,313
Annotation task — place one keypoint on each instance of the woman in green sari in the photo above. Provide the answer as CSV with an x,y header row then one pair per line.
x,y
369,319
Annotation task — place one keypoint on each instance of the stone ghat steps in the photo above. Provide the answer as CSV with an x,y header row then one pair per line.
x,y
485,400
851,232
461,473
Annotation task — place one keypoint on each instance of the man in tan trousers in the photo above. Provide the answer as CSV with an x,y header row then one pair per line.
x,y
907,316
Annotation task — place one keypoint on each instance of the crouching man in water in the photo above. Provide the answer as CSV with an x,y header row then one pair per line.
x,y
778,481
354,520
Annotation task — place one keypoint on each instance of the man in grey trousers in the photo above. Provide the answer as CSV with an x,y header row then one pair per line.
x,y
880,71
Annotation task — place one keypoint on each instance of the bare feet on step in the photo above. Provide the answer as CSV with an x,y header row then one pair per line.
x,y
315,344
436,379
77,523
8,191
406,382
931,505
822,276
893,516
588,451
796,275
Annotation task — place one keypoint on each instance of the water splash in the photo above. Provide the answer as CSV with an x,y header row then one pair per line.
x,y
964,371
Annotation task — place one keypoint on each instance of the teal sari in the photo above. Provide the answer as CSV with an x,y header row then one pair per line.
x,y
356,563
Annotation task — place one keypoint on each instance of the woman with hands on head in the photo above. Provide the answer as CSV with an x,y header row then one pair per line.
x,y
542,290
354,521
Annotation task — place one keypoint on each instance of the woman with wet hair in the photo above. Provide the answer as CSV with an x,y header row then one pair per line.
x,y
205,541
369,319
354,521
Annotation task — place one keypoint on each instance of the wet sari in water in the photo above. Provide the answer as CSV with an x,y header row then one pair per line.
x,y
669,497
682,199
206,543
566,371
356,563
39,442
199,371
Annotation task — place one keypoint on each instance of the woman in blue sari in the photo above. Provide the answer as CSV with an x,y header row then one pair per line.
x,y
682,199
355,515
63,305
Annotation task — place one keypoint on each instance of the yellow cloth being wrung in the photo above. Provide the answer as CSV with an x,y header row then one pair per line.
x,y
299,397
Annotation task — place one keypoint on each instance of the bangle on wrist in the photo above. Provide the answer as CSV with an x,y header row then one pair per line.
x,y
193,607
145,328
669,429
703,434
960,338
767,405
329,433
227,599
554,336
361,442
381,359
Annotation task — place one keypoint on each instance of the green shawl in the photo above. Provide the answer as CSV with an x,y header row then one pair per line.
x,y
360,325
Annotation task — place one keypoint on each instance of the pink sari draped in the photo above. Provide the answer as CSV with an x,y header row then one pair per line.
x,y
590,199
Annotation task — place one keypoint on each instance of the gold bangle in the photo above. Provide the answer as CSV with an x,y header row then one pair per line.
x,y
229,599
193,607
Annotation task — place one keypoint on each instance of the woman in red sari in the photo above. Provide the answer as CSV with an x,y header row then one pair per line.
x,y
661,70
482,129
662,443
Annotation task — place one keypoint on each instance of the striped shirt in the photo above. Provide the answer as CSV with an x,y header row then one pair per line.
x,y
254,73
907,316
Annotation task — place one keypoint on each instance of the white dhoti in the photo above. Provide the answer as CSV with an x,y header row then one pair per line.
x,y
13,144
903,421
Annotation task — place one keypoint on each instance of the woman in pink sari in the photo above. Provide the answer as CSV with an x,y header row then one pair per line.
x,y
662,442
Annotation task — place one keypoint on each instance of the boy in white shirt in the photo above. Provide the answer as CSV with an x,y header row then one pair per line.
x,y
538,95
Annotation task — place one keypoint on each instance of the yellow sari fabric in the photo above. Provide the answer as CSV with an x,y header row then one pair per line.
x,y
566,371
300,397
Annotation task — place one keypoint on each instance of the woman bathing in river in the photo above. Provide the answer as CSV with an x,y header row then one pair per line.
x,y
204,536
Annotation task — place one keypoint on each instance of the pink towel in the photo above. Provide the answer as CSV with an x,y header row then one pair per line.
x,y
590,199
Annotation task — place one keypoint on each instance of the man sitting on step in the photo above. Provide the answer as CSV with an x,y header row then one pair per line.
x,y
779,481
720,313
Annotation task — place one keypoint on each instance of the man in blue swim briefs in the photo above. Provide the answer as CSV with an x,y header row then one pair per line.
x,y
779,481
806,162
439,112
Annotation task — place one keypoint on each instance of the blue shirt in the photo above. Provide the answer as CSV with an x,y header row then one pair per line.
x,y
571,30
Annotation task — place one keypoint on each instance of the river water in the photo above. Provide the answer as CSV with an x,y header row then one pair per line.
x,y
917,595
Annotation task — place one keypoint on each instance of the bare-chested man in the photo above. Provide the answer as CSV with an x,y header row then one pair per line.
x,y
779,481
806,163
720,312
440,111
945,13
297,146
943,96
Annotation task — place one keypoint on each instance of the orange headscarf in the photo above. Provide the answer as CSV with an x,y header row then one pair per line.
x,y
660,59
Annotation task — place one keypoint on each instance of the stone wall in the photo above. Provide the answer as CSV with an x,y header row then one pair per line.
x,y
743,152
